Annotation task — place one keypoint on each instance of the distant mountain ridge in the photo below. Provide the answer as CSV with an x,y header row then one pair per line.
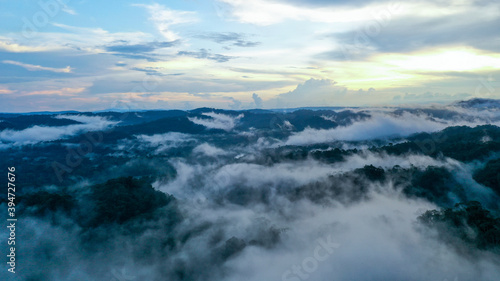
x,y
479,103
471,103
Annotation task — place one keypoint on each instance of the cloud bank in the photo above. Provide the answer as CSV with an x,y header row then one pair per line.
x,y
37,134
217,121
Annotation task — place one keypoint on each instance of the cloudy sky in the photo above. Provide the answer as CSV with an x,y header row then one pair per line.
x,y
94,55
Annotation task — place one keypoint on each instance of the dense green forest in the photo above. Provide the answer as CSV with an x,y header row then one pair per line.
x,y
187,194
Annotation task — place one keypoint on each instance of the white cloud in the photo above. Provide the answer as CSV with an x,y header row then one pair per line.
x,y
67,9
8,46
56,92
38,134
163,18
33,67
217,121
380,125
209,150
257,100
429,97
312,92
90,40
284,173
386,161
377,239
265,12
262,12
5,91
381,225
290,175
163,142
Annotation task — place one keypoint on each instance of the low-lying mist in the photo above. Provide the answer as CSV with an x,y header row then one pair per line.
x,y
360,194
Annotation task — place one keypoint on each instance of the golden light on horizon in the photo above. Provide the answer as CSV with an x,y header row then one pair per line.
x,y
458,59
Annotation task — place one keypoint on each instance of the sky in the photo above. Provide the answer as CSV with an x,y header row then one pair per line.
x,y
88,55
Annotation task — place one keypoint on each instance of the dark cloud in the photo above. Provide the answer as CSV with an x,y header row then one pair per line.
x,y
128,51
205,54
233,38
150,58
242,43
139,51
221,37
124,47
148,70
413,34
